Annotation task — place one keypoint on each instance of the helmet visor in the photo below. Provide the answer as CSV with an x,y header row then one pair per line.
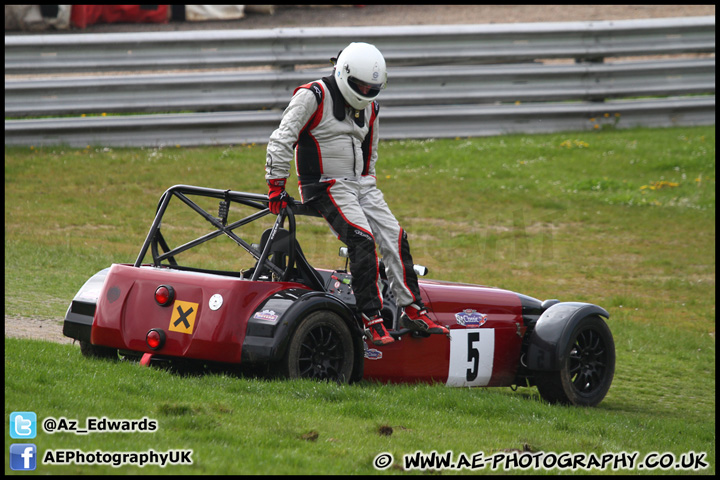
x,y
368,90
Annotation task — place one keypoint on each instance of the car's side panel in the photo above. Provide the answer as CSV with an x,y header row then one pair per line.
x,y
486,328
480,309
126,310
408,360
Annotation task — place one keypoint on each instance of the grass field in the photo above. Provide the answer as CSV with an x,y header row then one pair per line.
x,y
621,218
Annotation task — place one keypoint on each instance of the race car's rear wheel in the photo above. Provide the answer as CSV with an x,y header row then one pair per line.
x,y
587,369
321,348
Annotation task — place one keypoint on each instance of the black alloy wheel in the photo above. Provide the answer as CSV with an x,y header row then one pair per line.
x,y
587,367
321,349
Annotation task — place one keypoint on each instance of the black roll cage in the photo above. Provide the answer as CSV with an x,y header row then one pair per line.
x,y
155,238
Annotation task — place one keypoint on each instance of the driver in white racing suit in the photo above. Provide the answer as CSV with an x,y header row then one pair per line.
x,y
331,125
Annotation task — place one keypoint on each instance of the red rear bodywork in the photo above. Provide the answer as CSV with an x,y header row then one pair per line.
x,y
127,310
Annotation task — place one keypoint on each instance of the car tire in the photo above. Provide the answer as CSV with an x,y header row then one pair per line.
x,y
97,351
321,348
587,368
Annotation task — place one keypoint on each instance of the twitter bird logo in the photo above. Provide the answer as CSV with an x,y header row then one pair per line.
x,y
23,425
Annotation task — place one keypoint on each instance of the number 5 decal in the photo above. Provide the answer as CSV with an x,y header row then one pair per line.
x,y
471,357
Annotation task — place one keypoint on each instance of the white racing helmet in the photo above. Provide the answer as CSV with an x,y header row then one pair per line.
x,y
360,74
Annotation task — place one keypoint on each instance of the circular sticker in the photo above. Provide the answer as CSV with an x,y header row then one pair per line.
x,y
216,301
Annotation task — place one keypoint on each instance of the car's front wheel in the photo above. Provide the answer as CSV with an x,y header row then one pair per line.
x,y
321,349
587,367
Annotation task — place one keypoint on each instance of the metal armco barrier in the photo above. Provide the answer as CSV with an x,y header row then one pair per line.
x,y
417,45
453,121
462,97
434,85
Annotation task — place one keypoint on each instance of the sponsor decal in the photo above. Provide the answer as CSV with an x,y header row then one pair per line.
x,y
268,315
373,354
471,318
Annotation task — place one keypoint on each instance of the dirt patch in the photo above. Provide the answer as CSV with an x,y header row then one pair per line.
x,y
385,430
35,328
310,436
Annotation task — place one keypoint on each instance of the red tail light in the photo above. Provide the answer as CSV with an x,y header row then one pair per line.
x,y
155,338
164,295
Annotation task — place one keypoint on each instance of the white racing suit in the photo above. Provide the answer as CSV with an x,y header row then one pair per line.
x,y
336,151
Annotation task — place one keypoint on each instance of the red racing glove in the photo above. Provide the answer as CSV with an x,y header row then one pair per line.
x,y
277,195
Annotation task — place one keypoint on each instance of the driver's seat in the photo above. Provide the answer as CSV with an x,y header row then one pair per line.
x,y
280,253
280,248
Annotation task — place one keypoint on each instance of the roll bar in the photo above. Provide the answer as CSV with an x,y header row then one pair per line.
x,y
154,238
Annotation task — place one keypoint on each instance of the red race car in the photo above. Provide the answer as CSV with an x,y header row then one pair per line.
x,y
284,316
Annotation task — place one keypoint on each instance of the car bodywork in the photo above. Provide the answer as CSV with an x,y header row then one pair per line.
x,y
285,315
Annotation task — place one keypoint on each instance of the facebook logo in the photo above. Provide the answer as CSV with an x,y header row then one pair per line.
x,y
23,456
23,425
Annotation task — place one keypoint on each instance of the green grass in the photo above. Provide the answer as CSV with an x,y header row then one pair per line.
x,y
239,425
621,218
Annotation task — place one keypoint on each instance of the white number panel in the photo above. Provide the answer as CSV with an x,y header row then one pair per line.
x,y
471,357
